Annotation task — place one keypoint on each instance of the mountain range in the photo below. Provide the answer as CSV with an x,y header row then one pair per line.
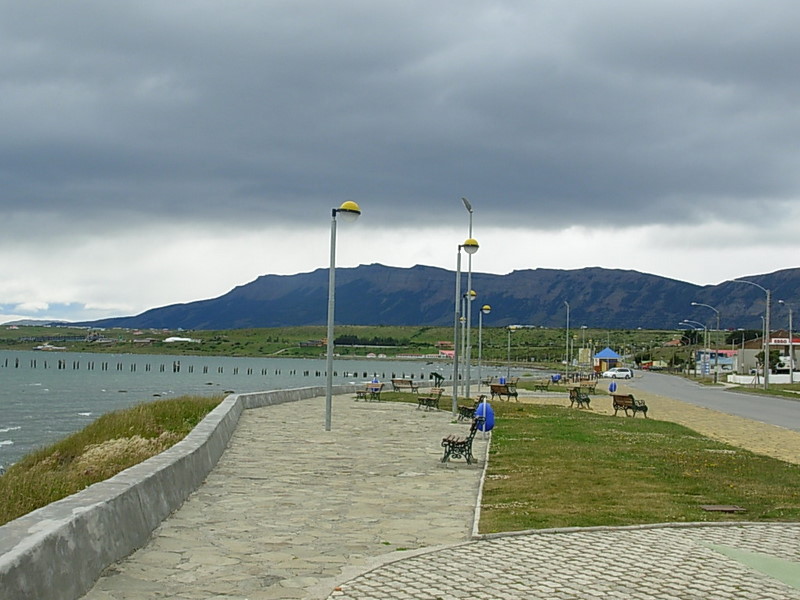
x,y
421,295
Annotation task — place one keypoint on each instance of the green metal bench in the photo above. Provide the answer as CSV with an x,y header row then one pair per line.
x,y
458,447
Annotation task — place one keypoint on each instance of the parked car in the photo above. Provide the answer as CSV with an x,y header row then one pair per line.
x,y
618,373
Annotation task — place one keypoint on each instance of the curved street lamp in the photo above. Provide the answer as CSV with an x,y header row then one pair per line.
x,y
766,328
349,211
470,246
705,337
716,340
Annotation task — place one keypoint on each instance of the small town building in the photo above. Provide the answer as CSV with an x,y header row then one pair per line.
x,y
606,359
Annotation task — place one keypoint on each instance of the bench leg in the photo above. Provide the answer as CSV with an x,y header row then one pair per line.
x,y
458,450
447,452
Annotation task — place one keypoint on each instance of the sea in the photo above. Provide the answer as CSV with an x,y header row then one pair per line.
x,y
45,396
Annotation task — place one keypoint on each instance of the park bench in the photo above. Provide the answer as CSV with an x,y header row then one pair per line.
x,y
503,389
579,397
467,413
590,385
627,403
371,391
399,385
458,447
541,385
431,401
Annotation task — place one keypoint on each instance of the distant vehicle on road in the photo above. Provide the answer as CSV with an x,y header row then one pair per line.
x,y
618,373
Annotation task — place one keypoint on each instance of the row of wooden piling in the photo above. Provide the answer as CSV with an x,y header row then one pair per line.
x,y
177,367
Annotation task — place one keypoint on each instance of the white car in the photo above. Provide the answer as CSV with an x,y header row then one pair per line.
x,y
618,373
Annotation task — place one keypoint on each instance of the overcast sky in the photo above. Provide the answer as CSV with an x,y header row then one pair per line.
x,y
159,152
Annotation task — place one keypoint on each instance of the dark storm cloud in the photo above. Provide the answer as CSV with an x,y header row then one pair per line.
x,y
544,111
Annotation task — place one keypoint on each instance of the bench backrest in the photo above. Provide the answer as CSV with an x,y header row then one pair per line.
x,y
622,400
474,428
499,387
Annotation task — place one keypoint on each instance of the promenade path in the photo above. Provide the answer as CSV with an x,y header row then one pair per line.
x,y
366,511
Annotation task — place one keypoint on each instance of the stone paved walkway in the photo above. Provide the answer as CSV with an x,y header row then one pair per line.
x,y
366,511
290,508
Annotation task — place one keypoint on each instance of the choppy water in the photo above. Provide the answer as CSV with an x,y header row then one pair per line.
x,y
45,396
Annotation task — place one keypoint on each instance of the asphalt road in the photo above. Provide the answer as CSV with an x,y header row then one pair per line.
x,y
766,409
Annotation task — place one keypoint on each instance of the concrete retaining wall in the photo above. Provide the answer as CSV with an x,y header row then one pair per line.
x,y
58,551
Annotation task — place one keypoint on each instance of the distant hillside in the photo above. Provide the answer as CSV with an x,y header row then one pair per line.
x,y
380,295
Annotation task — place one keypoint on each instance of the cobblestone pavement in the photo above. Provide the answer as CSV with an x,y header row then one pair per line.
x,y
709,563
366,511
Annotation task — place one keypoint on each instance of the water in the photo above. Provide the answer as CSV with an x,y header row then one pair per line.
x,y
41,403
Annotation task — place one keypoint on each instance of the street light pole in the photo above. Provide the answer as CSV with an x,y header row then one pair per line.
x,y
716,340
766,328
566,351
682,324
791,349
466,346
349,211
468,343
705,338
470,246
508,353
485,310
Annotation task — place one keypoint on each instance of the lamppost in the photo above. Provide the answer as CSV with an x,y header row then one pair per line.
x,y
485,310
682,324
349,211
470,246
566,351
705,339
716,340
468,343
791,350
508,353
766,328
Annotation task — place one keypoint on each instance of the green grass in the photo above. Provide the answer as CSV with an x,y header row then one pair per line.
x,y
552,466
111,444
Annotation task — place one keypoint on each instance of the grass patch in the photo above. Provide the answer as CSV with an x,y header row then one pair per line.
x,y
111,444
552,466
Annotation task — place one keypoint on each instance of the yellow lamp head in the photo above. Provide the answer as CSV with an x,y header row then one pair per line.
x,y
349,211
486,309
470,246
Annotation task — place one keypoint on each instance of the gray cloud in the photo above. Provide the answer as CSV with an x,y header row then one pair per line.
x,y
257,113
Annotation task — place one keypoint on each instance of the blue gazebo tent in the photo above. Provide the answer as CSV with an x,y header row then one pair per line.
x,y
605,359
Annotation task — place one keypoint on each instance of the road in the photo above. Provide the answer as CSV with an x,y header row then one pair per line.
x,y
766,409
